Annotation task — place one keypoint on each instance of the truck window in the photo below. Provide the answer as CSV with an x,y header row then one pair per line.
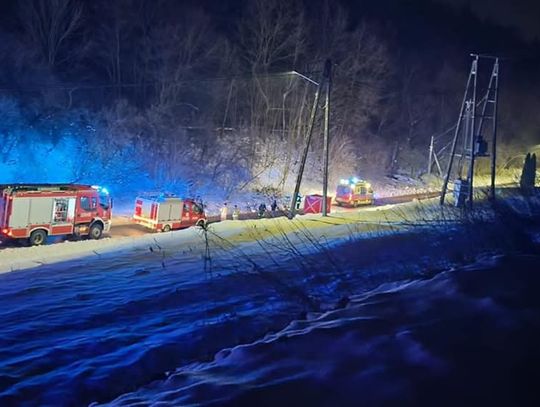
x,y
104,200
60,210
197,209
343,190
88,203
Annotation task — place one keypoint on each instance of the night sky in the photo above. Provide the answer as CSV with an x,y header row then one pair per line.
x,y
523,15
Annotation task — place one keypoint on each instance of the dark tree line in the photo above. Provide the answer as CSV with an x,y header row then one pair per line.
x,y
176,94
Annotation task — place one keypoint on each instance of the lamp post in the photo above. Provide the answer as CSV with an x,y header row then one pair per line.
x,y
304,77
326,76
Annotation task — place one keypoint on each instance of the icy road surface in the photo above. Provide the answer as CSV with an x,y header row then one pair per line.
x,y
126,235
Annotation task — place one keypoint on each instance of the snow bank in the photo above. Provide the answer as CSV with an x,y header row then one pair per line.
x,y
116,321
468,336
17,258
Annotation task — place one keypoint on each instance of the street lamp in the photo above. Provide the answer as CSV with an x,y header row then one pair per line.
x,y
304,77
326,76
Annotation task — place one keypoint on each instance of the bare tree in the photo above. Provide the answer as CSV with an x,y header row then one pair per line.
x,y
272,38
50,24
272,34
185,51
11,130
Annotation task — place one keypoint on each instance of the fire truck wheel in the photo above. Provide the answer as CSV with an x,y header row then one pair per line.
x,y
166,228
96,230
201,222
37,237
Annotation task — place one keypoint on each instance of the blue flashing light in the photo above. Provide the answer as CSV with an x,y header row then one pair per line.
x,y
101,190
350,181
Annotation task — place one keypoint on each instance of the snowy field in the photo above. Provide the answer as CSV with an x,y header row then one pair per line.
x,y
465,337
16,258
189,318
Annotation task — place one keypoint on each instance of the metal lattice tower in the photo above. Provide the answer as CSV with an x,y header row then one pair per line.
x,y
469,130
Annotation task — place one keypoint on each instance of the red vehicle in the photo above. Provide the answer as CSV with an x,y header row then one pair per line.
x,y
354,192
163,213
35,211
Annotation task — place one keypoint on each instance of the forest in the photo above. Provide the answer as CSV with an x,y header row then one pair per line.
x,y
192,96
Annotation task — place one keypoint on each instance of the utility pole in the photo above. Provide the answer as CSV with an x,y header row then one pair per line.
x,y
473,137
430,162
328,76
456,133
495,100
474,144
306,147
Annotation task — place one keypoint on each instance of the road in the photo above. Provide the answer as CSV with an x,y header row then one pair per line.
x,y
124,227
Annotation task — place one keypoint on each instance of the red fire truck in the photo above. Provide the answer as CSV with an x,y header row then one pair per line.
x,y
354,192
163,213
35,211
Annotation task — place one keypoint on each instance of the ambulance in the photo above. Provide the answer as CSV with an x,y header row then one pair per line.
x,y
354,192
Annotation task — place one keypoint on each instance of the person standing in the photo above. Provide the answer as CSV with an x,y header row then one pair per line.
x,y
298,201
236,213
262,209
224,212
274,206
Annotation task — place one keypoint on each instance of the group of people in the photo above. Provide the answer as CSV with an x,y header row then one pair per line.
x,y
224,212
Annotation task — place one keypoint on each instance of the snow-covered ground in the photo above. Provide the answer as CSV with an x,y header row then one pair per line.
x,y
16,258
465,337
119,323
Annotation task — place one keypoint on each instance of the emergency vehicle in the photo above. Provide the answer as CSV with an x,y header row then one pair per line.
x,y
354,192
163,213
35,211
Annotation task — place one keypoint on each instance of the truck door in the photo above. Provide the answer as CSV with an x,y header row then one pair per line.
x,y
198,212
363,191
86,208
186,214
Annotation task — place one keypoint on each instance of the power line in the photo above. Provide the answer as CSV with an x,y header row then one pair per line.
x,y
82,86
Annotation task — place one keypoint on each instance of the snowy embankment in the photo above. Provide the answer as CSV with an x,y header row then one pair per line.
x,y
120,322
17,258
464,337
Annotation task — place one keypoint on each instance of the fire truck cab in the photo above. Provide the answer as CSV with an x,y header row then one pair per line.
x,y
35,211
354,192
163,213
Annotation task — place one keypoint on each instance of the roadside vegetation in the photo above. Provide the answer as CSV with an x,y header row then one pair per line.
x,y
319,261
136,99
